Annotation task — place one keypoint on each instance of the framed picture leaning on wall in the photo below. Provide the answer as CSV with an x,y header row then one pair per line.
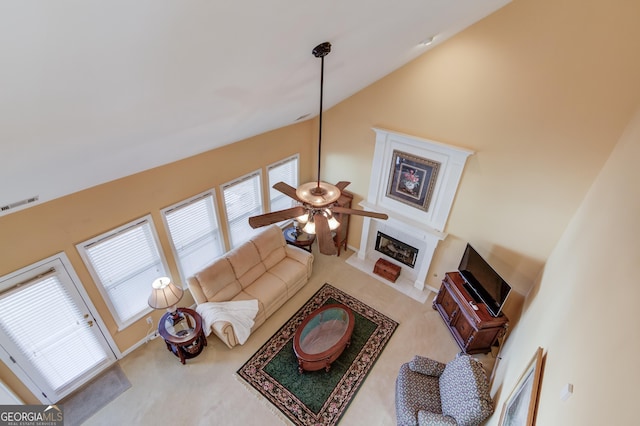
x,y
520,407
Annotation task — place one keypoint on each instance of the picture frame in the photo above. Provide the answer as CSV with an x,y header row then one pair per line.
x,y
520,407
412,179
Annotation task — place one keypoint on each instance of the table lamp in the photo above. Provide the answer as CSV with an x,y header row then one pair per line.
x,y
166,295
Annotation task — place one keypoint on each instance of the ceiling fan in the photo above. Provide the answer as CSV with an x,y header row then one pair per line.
x,y
318,199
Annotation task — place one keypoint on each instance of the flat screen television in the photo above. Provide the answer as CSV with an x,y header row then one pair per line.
x,y
483,282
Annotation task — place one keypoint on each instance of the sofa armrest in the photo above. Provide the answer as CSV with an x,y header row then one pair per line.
x,y
224,330
301,256
427,418
196,290
428,366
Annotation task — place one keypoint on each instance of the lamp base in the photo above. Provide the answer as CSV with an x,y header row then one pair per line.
x,y
175,317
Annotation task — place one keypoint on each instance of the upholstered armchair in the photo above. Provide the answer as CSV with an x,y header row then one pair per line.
x,y
429,392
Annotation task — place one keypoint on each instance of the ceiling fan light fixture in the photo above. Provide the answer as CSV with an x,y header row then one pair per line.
x,y
310,227
331,220
303,218
318,194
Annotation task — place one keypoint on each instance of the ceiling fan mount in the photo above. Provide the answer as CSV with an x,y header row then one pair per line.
x,y
318,199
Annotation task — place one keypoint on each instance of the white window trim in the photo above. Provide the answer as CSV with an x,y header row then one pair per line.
x,y
276,164
180,204
233,182
103,292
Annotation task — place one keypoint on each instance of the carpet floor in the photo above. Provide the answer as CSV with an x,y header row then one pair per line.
x,y
318,397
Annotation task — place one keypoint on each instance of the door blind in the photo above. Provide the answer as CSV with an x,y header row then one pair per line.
x,y
42,320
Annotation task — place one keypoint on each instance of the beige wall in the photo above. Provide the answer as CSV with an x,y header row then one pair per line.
x,y
583,310
41,231
541,90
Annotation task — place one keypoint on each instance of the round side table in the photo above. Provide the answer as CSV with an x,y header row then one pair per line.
x,y
298,238
184,336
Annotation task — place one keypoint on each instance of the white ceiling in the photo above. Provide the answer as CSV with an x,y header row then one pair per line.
x,y
92,91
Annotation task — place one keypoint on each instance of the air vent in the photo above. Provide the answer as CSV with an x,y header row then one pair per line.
x,y
19,203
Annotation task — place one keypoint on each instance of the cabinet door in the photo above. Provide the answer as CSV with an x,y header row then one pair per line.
x,y
448,304
465,331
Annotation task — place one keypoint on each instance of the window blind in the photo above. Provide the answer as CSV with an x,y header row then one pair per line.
x,y
284,171
125,263
194,232
242,199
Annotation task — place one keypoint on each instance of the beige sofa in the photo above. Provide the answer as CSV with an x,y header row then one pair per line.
x,y
265,268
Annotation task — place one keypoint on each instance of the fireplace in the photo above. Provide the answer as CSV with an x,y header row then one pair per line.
x,y
396,249
415,227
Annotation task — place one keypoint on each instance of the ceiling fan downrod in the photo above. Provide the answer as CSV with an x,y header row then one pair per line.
x,y
320,51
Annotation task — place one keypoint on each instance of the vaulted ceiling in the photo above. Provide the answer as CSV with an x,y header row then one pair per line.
x,y
92,91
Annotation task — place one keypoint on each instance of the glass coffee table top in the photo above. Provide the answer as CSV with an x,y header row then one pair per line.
x,y
324,330
323,336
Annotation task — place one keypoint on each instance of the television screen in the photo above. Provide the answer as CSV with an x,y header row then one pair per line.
x,y
487,285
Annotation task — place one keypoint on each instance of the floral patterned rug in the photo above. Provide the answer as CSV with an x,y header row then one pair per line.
x,y
318,397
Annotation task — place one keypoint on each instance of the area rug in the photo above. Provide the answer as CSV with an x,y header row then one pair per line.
x,y
89,399
318,397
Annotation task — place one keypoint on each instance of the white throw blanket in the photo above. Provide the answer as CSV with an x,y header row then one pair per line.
x,y
240,314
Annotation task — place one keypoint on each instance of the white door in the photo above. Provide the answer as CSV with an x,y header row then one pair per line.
x,y
50,334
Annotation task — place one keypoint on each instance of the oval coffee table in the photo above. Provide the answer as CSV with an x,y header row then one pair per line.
x,y
323,336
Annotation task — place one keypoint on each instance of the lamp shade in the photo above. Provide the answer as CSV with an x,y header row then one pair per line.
x,y
164,293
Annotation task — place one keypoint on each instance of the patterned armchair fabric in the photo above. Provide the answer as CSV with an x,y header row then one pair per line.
x,y
432,393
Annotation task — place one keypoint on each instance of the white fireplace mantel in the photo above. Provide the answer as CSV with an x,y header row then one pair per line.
x,y
419,228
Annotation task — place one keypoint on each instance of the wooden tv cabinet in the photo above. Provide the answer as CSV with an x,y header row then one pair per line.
x,y
475,330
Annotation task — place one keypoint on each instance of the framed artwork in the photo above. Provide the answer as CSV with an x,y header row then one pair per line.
x,y
412,179
520,408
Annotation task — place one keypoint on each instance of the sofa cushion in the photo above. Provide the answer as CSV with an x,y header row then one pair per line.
x,y
270,290
218,281
270,245
246,263
464,391
428,366
427,418
415,392
289,271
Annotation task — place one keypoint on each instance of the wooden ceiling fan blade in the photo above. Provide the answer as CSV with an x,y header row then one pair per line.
x,y
344,210
342,185
323,235
287,189
275,217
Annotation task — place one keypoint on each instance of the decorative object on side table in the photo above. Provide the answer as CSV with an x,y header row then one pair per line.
x,y
181,328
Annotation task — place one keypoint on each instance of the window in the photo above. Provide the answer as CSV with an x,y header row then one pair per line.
x,y
124,262
242,199
194,232
283,171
